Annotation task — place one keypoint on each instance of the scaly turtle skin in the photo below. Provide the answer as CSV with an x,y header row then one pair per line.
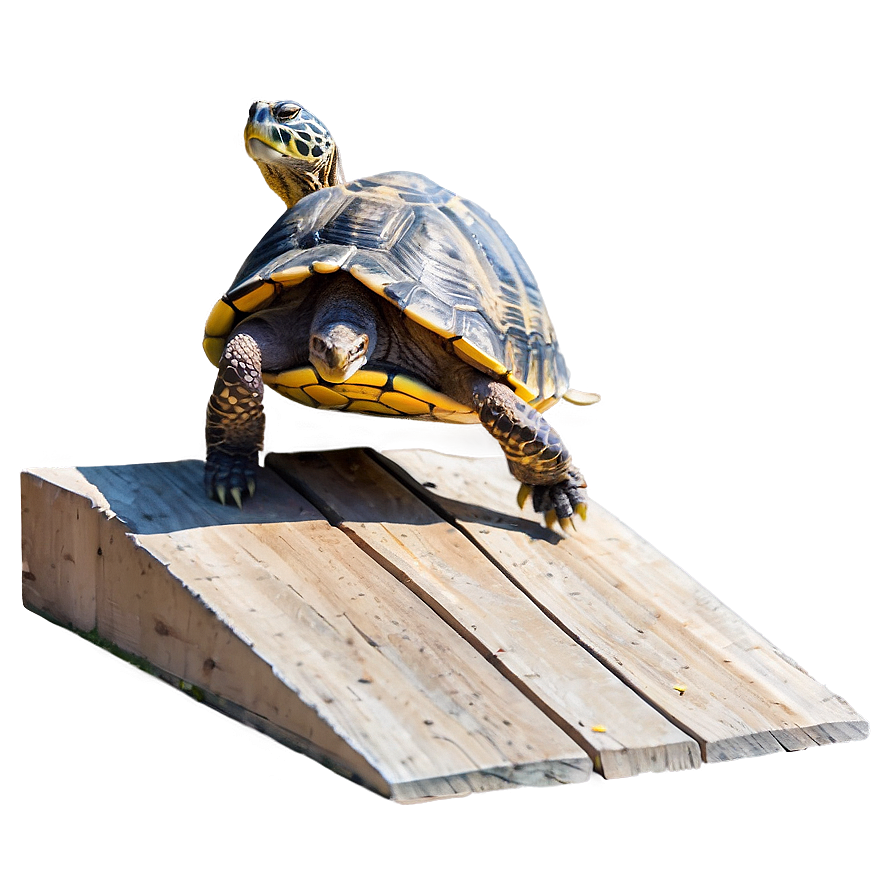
x,y
426,310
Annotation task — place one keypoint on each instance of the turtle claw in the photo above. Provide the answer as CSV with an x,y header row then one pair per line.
x,y
230,475
560,502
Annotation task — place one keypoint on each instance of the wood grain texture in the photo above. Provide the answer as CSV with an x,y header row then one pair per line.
x,y
439,564
290,626
660,632
399,619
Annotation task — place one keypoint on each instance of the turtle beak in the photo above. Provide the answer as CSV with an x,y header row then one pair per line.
x,y
259,110
259,122
336,363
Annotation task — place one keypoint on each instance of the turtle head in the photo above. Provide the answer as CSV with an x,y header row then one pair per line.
x,y
342,336
293,149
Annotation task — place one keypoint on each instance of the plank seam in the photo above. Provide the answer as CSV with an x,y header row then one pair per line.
x,y
336,520
423,494
421,593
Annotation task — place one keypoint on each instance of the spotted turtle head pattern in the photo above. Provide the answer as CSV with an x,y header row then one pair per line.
x,y
293,148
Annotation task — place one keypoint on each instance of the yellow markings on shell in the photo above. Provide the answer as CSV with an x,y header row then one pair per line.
x,y
368,378
428,324
372,407
416,389
405,404
256,299
462,347
295,394
325,267
220,321
214,348
360,393
544,403
291,276
329,398
371,282
521,388
302,376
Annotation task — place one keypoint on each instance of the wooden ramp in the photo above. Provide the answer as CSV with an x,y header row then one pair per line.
x,y
400,620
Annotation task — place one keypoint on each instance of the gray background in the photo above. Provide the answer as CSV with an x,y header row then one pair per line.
x,y
705,193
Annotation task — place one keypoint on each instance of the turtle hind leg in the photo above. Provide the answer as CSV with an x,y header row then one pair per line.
x,y
234,422
535,453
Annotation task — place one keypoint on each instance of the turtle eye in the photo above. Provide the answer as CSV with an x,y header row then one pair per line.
x,y
287,112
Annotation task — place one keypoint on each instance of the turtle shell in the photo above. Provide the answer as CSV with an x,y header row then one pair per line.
x,y
440,259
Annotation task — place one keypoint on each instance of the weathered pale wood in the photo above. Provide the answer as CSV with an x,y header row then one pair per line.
x,y
305,619
282,621
661,632
451,575
61,543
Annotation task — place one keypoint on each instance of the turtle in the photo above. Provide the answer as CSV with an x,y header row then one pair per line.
x,y
387,295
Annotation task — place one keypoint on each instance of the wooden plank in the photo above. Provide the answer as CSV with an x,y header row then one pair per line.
x,y
434,559
279,619
661,632
58,544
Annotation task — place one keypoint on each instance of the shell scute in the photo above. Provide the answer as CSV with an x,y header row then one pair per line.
x,y
364,406
416,189
296,267
256,295
294,230
377,271
429,310
479,333
220,321
367,222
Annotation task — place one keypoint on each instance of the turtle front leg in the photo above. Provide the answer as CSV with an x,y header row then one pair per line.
x,y
234,422
535,453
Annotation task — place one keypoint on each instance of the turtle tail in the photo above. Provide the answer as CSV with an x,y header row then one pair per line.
x,y
576,396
